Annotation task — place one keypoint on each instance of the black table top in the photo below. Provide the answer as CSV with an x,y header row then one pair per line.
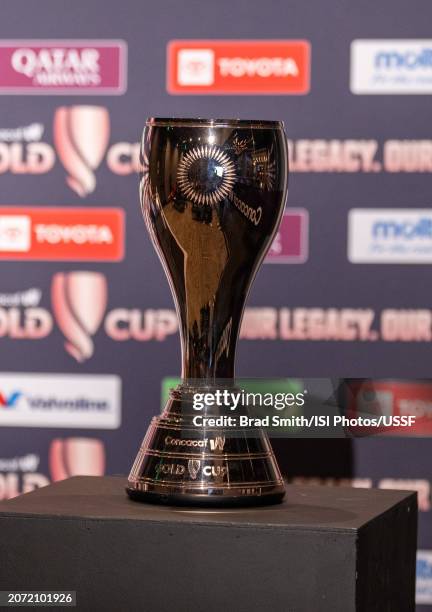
x,y
304,507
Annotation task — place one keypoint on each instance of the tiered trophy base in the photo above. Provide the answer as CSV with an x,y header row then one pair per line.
x,y
181,464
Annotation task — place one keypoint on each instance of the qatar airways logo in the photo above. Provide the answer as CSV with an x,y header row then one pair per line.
x,y
63,67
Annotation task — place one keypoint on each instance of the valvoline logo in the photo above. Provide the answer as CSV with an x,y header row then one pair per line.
x,y
403,229
9,401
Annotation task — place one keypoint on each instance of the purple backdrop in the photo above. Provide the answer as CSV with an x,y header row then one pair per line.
x,y
72,111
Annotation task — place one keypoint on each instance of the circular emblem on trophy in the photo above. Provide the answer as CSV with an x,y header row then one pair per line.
x,y
206,175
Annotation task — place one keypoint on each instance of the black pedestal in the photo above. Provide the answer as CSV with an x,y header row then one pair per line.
x,y
323,549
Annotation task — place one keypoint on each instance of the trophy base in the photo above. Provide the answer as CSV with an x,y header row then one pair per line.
x,y
205,500
185,465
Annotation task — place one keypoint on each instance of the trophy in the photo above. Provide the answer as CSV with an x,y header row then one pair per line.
x,y
212,193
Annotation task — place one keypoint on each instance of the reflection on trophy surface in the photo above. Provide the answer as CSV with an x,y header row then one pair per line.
x,y
212,193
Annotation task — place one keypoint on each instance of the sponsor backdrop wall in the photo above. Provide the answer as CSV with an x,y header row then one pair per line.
x,y
87,326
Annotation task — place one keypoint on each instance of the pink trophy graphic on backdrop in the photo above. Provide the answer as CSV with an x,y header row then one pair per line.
x,y
76,457
81,135
79,301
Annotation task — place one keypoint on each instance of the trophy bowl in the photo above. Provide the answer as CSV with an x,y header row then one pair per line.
x,y
213,193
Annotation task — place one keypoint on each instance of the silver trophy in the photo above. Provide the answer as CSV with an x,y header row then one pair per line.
x,y
213,193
